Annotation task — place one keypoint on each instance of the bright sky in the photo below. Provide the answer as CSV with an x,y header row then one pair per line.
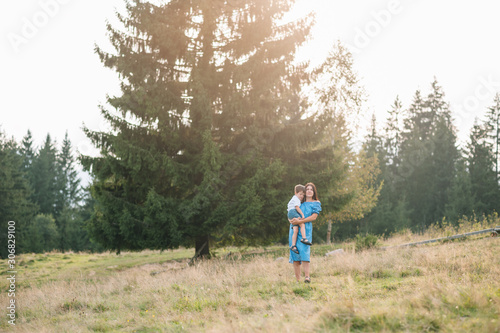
x,y
52,81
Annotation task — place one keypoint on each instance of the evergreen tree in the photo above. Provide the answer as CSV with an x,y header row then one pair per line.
x,y
391,164
68,183
27,150
393,133
444,152
480,158
209,132
45,178
393,195
415,168
373,145
460,197
428,154
493,126
68,196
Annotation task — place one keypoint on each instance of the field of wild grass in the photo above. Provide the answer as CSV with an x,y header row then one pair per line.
x,y
450,287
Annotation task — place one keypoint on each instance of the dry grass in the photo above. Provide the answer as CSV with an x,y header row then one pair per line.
x,y
450,287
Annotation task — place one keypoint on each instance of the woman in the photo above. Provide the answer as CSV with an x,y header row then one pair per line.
x,y
311,208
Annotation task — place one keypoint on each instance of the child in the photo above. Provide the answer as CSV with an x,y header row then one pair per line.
x,y
295,212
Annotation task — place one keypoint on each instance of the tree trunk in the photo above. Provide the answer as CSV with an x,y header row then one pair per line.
x,y
329,233
201,247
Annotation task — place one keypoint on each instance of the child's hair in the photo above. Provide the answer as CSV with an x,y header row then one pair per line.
x,y
300,188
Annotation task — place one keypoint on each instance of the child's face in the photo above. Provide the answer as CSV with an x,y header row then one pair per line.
x,y
300,195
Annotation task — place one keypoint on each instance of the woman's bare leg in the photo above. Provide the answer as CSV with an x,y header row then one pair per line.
x,y
306,269
296,268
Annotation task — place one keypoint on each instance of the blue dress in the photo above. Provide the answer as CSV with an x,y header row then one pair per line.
x,y
308,208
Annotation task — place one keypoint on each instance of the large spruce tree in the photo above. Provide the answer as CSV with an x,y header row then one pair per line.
x,y
209,133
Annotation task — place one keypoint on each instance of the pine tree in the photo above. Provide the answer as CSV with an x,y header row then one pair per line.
x,y
415,153
27,150
373,144
45,178
209,133
68,183
444,152
480,158
394,188
392,140
493,126
394,195
68,196
461,199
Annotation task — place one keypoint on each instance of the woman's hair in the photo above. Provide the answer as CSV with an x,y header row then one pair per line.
x,y
315,195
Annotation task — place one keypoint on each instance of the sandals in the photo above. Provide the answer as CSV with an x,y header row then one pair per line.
x,y
294,249
307,280
305,241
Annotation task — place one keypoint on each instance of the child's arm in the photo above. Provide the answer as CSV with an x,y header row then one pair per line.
x,y
299,210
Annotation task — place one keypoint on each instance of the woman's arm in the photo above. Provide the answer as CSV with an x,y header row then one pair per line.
x,y
311,218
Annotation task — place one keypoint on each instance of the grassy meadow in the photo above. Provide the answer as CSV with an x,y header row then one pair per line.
x,y
442,287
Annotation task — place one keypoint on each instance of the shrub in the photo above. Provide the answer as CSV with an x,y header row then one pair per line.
x,y
365,242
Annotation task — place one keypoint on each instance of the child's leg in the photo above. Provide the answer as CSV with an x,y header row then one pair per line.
x,y
295,234
303,230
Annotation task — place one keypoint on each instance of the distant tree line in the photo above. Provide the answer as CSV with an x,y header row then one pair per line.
x,y
427,178
40,190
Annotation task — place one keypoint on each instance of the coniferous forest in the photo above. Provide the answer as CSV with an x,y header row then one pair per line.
x,y
41,192
213,129
427,177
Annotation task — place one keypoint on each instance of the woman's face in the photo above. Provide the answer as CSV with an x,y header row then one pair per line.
x,y
309,192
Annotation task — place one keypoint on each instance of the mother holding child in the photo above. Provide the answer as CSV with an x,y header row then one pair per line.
x,y
300,217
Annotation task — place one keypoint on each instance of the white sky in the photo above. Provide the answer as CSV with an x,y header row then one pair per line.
x,y
52,81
